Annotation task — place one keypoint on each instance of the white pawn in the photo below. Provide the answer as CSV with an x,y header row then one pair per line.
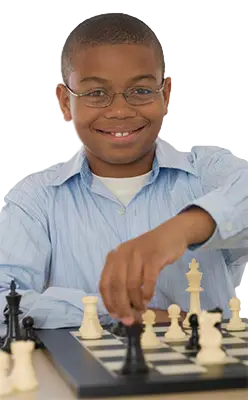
x,y
5,382
90,328
149,339
235,323
210,340
23,375
174,332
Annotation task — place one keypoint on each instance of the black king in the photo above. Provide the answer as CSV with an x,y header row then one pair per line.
x,y
13,312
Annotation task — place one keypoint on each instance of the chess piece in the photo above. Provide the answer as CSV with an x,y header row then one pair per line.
x,y
194,278
5,382
13,330
149,340
193,342
6,322
90,328
135,361
210,340
118,329
220,311
235,323
174,332
6,314
28,332
23,375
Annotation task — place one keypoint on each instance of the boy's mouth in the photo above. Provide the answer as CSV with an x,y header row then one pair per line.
x,y
121,133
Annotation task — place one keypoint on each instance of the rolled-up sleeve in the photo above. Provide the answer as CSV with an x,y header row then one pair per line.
x,y
224,182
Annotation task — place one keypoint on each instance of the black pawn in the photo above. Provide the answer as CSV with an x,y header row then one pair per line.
x,y
135,361
13,312
28,331
220,311
193,342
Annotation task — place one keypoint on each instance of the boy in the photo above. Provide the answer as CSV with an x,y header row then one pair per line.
x,y
128,210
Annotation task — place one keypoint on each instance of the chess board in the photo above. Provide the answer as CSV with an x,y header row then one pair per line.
x,y
92,367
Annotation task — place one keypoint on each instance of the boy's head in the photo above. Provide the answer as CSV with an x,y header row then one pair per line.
x,y
106,54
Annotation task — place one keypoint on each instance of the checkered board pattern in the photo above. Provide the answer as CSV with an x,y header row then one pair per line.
x,y
171,358
91,367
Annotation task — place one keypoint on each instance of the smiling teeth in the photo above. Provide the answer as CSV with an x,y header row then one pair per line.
x,y
119,134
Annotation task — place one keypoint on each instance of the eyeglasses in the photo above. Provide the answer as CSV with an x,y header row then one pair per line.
x,y
135,96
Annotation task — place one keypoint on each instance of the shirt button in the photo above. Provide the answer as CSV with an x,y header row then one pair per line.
x,y
229,226
121,212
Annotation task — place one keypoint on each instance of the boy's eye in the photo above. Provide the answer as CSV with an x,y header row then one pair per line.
x,y
141,91
96,93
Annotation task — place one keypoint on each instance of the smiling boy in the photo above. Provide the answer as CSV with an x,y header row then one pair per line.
x,y
128,212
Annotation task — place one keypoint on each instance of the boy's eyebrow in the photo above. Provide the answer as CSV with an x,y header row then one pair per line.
x,y
134,79
141,77
93,78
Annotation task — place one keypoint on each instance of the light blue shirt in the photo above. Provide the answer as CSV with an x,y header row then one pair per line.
x,y
59,224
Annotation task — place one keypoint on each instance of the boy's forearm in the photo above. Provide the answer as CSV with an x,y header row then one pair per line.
x,y
197,224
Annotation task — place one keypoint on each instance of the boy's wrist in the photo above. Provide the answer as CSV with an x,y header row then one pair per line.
x,y
197,225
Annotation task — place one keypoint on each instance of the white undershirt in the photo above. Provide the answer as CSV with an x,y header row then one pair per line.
x,y
125,188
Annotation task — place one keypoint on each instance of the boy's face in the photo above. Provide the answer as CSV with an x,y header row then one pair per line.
x,y
116,66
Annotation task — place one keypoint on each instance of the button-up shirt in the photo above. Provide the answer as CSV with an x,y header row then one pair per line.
x,y
58,226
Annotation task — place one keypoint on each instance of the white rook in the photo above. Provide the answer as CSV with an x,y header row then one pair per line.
x,y
194,277
90,328
23,374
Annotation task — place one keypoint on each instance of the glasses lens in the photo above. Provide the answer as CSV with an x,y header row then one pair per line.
x,y
139,96
97,98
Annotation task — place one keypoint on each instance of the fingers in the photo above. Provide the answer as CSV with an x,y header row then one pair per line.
x,y
105,284
150,278
127,284
135,282
120,294
121,285
113,287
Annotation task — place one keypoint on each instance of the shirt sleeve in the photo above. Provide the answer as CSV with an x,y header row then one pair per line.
x,y
159,299
56,307
25,248
25,255
224,182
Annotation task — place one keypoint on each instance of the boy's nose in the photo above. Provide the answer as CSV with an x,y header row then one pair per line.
x,y
119,108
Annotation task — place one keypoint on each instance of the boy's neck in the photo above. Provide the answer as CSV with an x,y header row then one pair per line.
x,y
137,168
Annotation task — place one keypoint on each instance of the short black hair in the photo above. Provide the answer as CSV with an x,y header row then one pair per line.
x,y
113,28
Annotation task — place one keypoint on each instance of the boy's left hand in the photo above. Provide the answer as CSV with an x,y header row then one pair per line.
x,y
131,270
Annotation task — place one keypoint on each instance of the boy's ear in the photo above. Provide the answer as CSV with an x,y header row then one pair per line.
x,y
64,101
166,93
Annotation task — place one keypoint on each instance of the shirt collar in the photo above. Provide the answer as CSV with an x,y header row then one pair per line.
x,y
166,157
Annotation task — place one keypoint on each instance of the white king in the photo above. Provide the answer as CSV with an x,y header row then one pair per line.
x,y
194,277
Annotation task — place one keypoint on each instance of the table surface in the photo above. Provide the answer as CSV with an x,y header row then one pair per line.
x,y
53,387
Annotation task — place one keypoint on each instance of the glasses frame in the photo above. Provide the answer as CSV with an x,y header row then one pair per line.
x,y
82,94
